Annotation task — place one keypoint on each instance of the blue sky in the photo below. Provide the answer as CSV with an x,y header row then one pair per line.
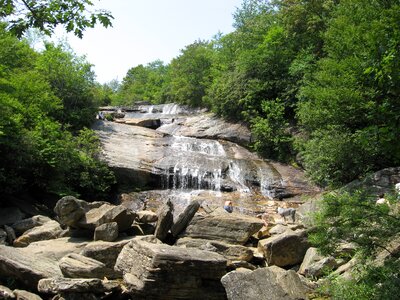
x,y
146,30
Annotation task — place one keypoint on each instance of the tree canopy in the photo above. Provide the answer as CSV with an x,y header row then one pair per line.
x,y
46,15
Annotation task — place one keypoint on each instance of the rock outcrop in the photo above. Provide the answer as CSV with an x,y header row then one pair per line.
x,y
155,271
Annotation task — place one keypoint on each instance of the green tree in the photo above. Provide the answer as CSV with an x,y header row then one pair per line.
x,y
72,80
190,74
45,15
348,97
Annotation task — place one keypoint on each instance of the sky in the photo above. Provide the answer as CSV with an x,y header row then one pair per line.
x,y
146,30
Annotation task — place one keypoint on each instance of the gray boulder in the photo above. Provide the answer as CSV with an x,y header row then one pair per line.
x,y
230,228
270,283
159,271
3,237
310,257
69,210
321,267
285,249
11,236
108,213
23,225
106,232
184,218
165,221
47,231
146,216
57,248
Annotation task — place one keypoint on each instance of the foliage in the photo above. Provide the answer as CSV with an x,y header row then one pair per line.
x,y
72,80
45,15
190,74
38,154
354,217
143,83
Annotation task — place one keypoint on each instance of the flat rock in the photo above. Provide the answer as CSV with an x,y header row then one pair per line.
x,y
76,285
229,251
25,266
23,225
230,228
78,266
25,295
47,231
270,283
146,216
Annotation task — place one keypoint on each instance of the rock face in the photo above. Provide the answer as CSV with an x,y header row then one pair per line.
x,y
285,249
230,228
159,271
151,158
270,283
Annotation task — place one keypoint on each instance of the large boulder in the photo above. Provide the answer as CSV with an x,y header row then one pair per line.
x,y
47,231
25,295
159,271
270,283
310,257
285,249
231,228
183,219
106,232
69,210
165,220
29,268
108,213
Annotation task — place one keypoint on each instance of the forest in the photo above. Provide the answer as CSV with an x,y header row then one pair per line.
x,y
317,81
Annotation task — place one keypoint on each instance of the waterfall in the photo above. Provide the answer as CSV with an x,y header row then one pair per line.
x,y
151,108
236,175
171,109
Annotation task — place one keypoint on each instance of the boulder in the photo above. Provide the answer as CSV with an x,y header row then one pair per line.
x,y
78,266
3,237
105,252
229,251
25,295
10,215
106,232
69,210
27,267
146,216
310,257
148,123
285,249
108,213
270,283
321,267
165,221
6,293
159,271
47,231
184,218
23,225
76,285
231,228
11,236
